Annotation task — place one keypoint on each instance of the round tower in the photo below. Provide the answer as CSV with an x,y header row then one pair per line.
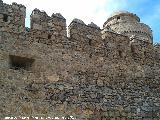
x,y
126,23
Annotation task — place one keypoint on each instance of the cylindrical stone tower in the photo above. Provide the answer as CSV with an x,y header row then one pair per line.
x,y
126,23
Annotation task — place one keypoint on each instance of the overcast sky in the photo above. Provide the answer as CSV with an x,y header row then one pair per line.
x,y
97,11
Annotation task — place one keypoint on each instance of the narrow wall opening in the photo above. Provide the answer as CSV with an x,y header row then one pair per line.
x,y
90,42
145,53
120,53
5,18
49,36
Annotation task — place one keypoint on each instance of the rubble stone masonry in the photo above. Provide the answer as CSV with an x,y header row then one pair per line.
x,y
92,74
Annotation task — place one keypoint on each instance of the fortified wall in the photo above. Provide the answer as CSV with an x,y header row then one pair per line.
x,y
89,74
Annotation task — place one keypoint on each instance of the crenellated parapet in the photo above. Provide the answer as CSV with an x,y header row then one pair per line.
x,y
91,74
46,29
84,35
12,17
39,19
122,35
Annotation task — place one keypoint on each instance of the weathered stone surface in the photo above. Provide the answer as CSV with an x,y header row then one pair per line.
x,y
78,21
126,23
93,25
92,74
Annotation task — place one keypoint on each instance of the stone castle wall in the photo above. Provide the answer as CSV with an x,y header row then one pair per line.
x,y
54,27
12,17
91,75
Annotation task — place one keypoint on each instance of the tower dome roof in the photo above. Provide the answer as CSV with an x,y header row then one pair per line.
x,y
122,13
119,12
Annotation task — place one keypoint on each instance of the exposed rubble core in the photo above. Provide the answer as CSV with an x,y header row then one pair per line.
x,y
91,74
